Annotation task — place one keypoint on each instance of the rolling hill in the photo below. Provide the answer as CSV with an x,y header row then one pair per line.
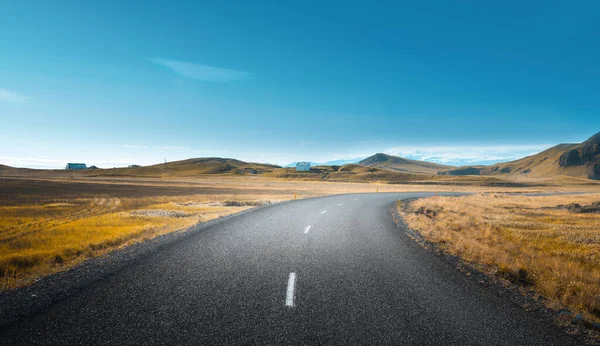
x,y
575,160
183,168
363,174
190,168
400,164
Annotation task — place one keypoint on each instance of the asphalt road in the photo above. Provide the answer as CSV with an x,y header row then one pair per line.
x,y
265,277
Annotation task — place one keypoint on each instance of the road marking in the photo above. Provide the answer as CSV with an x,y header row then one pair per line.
x,y
306,229
289,297
323,212
340,204
356,199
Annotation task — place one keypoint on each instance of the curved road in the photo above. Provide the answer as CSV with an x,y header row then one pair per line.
x,y
266,277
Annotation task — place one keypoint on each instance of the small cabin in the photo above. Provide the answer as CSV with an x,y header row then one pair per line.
x,y
303,166
75,166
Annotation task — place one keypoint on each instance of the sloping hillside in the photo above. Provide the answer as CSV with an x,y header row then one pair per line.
x,y
30,172
575,160
189,168
183,168
400,164
362,174
585,155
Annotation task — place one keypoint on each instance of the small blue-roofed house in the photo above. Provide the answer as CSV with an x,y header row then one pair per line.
x,y
303,166
75,166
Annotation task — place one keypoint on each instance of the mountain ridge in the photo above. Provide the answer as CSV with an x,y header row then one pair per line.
x,y
401,164
568,159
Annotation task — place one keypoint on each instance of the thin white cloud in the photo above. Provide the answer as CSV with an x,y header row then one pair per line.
x,y
45,163
161,147
9,96
11,161
133,146
172,147
465,155
201,72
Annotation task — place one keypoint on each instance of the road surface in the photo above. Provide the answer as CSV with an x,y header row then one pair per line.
x,y
332,270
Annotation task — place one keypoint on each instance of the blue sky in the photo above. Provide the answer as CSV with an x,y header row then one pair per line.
x,y
112,83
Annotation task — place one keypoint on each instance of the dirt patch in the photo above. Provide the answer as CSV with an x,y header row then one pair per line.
x,y
228,204
159,213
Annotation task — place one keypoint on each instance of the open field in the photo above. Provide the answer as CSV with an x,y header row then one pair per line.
x,y
43,234
50,224
526,240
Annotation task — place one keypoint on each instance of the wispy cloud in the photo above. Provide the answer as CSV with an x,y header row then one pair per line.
x,y
9,96
133,146
201,72
467,155
172,147
46,163
31,162
160,147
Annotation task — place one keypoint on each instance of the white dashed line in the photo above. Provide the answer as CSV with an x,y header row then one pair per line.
x,y
307,229
323,212
340,204
289,297
356,199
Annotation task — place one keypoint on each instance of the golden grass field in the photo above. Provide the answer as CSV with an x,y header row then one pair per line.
x,y
51,224
522,239
51,235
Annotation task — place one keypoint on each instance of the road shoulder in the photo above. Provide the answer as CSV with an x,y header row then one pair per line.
x,y
526,300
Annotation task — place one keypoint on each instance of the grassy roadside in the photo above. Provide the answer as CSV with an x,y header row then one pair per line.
x,y
525,240
47,226
49,235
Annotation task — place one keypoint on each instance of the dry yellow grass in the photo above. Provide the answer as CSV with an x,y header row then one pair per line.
x,y
42,238
48,225
553,251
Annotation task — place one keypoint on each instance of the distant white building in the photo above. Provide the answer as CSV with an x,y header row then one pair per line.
x,y
303,166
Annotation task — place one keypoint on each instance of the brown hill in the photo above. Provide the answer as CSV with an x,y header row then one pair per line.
x,y
400,164
575,160
183,168
364,174
585,155
189,168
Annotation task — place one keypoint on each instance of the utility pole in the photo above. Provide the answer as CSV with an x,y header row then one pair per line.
x,y
165,165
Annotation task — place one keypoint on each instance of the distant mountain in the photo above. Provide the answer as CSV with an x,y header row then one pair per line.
x,y
400,164
577,160
328,163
